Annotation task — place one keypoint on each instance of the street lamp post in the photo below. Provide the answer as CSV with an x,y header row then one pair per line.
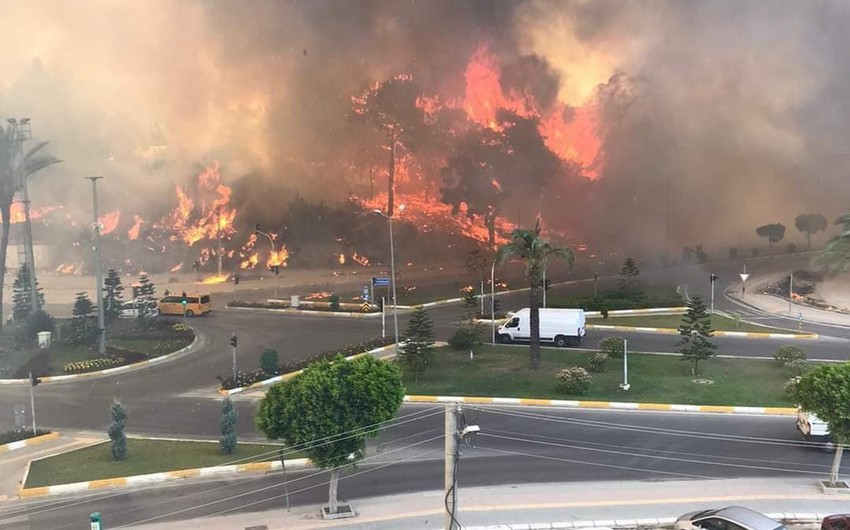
x,y
98,270
493,301
392,271
20,131
276,269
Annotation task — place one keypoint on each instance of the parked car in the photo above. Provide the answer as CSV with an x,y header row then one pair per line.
x,y
728,518
138,308
836,522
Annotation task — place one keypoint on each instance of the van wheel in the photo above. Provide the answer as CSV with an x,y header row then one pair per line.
x,y
505,339
190,313
561,341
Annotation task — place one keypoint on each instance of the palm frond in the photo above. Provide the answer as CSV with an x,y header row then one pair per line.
x,y
35,164
35,149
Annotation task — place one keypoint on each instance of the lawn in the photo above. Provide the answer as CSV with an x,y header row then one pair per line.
x,y
503,371
143,457
718,322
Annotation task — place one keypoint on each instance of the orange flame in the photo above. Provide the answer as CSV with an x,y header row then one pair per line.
x,y
341,259
70,268
17,212
318,295
251,262
362,260
177,267
215,279
278,258
133,232
109,222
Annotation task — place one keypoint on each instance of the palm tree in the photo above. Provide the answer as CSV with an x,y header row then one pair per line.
x,y
11,184
527,246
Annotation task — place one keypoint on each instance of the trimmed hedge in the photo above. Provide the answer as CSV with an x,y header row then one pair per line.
x,y
243,379
16,436
93,365
613,301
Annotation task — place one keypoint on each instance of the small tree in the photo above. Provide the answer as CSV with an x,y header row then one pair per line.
x,y
823,391
334,302
112,297
628,277
613,347
146,286
83,324
418,349
21,294
773,232
470,305
270,362
330,408
118,443
810,224
696,331
227,425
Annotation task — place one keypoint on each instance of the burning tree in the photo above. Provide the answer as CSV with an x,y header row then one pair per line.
x,y
11,174
494,163
391,106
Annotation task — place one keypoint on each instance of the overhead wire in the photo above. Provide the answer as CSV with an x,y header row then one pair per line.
x,y
64,503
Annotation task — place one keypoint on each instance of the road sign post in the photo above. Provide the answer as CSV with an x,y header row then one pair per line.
x,y
744,277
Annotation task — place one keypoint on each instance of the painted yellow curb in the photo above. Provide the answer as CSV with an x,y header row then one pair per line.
x,y
35,440
744,334
609,405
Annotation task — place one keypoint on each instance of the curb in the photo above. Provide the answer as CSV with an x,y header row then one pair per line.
x,y
649,311
290,311
154,478
786,518
740,334
290,375
108,371
613,405
35,440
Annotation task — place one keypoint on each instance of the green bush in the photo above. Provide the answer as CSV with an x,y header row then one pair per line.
x,y
663,296
16,436
791,386
465,338
614,347
92,365
334,302
788,354
269,362
598,361
574,380
40,321
797,366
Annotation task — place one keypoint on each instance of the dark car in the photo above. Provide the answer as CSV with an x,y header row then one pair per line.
x,y
836,522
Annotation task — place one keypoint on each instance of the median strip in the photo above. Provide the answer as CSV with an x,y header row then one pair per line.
x,y
35,440
741,334
613,405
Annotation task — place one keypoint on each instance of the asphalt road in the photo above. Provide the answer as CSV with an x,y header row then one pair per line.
x,y
515,446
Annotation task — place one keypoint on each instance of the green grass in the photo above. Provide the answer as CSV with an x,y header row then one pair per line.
x,y
143,457
503,371
718,322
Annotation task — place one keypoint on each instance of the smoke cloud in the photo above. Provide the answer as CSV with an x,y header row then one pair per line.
x,y
714,117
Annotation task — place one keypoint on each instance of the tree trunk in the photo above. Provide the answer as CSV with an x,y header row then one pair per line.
x,y
836,463
536,301
6,214
391,180
332,500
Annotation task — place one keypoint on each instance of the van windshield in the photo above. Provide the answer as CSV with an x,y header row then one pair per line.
x,y
205,299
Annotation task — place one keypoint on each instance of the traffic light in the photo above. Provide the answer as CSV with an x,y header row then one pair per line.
x,y
713,278
233,340
275,269
236,278
184,299
34,381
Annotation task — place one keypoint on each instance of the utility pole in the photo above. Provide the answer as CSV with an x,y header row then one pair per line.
x,y
33,381
449,479
544,287
493,302
790,291
98,270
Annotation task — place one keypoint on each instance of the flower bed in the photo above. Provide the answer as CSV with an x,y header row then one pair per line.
x,y
244,379
92,365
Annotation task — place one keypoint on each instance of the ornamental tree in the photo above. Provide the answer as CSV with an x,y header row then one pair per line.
x,y
329,409
227,426
118,444
418,349
824,392
696,331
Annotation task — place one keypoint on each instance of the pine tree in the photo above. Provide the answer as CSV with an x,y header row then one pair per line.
x,y
118,444
112,297
227,424
21,299
470,304
418,349
147,287
696,331
83,324
628,277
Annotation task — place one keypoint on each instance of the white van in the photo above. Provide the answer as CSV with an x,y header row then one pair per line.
x,y
560,327
812,428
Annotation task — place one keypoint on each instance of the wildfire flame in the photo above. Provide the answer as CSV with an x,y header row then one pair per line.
x,y
362,260
70,268
215,279
17,212
176,267
133,232
250,262
341,259
109,222
278,258
318,295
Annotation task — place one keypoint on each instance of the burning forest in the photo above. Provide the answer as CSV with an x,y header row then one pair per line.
x,y
620,126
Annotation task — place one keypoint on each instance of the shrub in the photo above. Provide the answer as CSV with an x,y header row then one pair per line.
x,y
598,361
269,362
465,338
791,386
15,436
574,380
92,365
612,346
118,445
788,354
227,425
604,311
334,301
40,321
797,366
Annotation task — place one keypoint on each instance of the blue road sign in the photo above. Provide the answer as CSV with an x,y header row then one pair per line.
x,y
365,294
380,282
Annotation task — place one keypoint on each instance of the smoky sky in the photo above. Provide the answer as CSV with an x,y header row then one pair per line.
x,y
715,117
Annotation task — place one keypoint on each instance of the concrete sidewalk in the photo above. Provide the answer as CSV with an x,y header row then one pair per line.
x,y
778,307
601,504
